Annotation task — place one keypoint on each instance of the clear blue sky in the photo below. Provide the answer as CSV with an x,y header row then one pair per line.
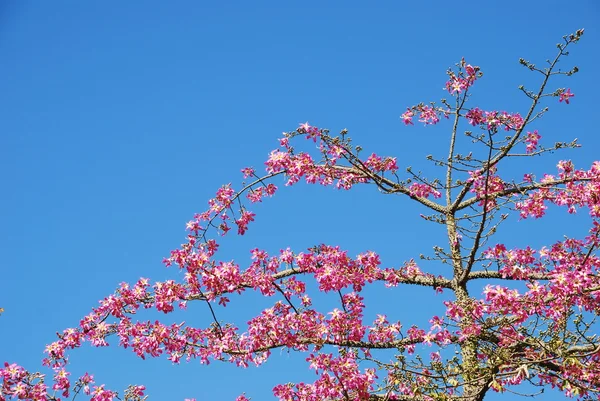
x,y
119,120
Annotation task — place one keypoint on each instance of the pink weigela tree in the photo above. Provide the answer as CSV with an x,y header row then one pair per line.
x,y
536,327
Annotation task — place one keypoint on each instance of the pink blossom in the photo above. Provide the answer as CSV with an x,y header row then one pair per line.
x,y
428,115
532,140
248,172
407,117
423,190
475,116
565,95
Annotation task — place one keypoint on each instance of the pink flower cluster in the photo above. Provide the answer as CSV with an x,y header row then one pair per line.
x,y
486,184
531,141
340,377
378,164
429,115
423,190
458,83
571,272
17,382
463,79
492,120
302,165
581,189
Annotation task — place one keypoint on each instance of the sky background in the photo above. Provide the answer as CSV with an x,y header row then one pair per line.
x,y
118,121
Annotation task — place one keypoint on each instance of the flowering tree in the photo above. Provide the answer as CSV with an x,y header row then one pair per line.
x,y
536,327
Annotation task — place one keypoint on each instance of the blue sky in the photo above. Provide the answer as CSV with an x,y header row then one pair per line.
x,y
119,121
